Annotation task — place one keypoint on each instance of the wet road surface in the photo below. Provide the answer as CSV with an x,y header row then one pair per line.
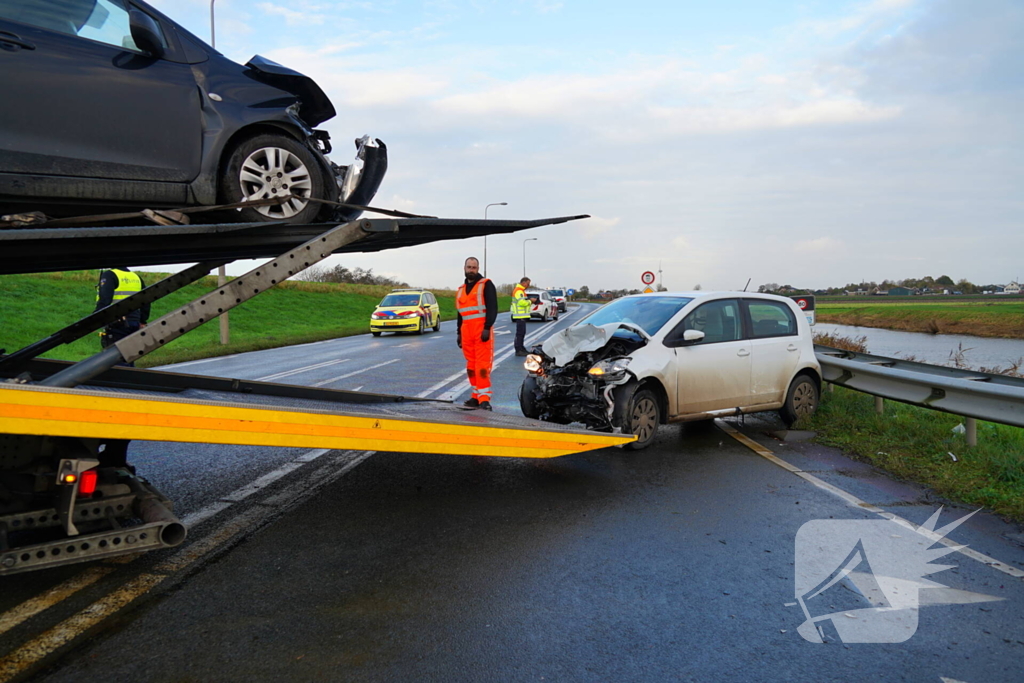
x,y
674,563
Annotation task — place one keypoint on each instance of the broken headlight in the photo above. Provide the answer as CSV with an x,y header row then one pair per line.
x,y
533,364
610,369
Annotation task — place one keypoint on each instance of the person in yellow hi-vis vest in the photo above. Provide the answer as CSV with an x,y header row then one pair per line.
x,y
116,284
521,314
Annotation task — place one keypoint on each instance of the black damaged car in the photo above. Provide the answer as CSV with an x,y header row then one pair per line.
x,y
108,104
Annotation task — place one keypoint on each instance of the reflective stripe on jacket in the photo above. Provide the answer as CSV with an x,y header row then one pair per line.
x,y
471,306
128,283
520,303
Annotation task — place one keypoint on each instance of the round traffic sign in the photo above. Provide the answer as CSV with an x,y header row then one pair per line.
x,y
571,292
647,278
802,303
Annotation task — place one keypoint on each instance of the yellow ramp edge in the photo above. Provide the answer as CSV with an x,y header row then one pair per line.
x,y
46,411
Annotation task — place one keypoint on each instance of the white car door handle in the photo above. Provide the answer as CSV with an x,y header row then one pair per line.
x,y
743,352
792,347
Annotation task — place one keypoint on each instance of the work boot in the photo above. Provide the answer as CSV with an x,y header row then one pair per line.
x,y
472,403
485,405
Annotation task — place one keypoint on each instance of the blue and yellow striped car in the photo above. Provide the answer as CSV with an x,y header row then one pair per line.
x,y
406,310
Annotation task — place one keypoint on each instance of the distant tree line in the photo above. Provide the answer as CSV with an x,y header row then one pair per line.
x,y
924,284
351,276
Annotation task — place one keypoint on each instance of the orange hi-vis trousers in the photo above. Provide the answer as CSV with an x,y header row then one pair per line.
x,y
479,354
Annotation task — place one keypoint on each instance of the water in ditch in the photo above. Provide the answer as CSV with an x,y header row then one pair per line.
x,y
939,349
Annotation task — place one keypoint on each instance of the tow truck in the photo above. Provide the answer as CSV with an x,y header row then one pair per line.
x,y
67,491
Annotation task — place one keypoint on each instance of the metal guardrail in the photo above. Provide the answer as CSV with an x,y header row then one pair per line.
x,y
979,395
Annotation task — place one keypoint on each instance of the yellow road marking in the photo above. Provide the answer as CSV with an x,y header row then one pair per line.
x,y
36,410
63,633
39,603
854,501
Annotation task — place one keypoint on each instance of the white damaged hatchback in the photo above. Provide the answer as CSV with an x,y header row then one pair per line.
x,y
646,360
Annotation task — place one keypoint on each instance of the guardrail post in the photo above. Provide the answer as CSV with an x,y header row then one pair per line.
x,y
972,432
879,404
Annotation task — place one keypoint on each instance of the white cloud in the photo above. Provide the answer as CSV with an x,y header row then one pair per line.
x,y
820,245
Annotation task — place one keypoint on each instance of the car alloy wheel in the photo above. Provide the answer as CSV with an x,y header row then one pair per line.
x,y
272,172
268,166
801,400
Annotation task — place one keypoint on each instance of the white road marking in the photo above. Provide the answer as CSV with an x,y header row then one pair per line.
x,y
197,362
289,373
855,502
43,601
359,388
357,372
402,345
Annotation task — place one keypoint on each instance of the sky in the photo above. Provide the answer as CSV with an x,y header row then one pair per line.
x,y
807,143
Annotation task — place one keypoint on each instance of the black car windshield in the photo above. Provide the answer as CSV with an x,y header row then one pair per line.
x,y
556,292
401,300
649,313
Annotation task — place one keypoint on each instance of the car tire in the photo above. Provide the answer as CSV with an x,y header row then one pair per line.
x,y
423,326
279,158
375,334
801,400
437,325
641,416
544,317
528,397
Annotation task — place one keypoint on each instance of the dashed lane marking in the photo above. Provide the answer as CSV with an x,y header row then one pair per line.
x,y
356,372
855,502
289,373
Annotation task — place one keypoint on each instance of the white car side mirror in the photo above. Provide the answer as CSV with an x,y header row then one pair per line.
x,y
693,335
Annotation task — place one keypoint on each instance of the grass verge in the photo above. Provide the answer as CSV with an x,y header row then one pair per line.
x,y
915,443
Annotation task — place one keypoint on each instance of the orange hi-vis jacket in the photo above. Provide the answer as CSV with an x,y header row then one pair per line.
x,y
479,354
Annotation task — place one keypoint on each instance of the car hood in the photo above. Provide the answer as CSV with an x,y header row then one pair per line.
x,y
316,106
565,345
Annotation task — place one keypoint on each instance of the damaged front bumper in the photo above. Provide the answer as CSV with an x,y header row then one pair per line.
x,y
358,182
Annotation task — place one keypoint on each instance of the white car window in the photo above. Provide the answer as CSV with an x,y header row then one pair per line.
x,y
718,320
771,319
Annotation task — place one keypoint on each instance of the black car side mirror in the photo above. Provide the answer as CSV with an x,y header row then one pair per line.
x,y
146,33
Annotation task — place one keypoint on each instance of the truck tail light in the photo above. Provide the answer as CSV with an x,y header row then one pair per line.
x,y
87,483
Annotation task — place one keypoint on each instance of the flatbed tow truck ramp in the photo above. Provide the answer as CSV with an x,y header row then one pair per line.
x,y
67,491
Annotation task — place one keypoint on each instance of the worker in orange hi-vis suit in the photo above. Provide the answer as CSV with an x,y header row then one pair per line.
x,y
477,304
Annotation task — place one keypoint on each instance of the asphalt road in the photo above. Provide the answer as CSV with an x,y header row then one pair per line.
x,y
674,563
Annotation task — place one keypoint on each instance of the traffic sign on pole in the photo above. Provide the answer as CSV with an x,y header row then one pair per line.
x,y
648,290
647,278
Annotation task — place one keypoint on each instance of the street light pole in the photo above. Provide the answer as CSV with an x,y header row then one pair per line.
x,y
485,236
529,239
213,35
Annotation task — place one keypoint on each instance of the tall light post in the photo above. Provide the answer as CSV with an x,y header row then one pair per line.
x,y
222,273
529,239
485,236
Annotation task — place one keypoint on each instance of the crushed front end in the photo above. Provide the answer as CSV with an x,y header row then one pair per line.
x,y
582,388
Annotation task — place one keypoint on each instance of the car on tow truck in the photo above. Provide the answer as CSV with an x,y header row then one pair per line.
x,y
649,359
112,106
406,310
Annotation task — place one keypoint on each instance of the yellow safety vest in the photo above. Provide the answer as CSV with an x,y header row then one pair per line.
x,y
520,303
128,283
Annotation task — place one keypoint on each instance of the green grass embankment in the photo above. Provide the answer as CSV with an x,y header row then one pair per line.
x,y
990,318
34,306
915,444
